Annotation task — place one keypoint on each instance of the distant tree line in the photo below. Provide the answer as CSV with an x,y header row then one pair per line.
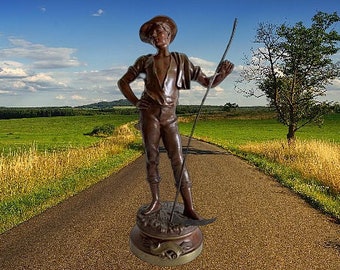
x,y
12,113
15,113
193,109
9,113
106,104
100,108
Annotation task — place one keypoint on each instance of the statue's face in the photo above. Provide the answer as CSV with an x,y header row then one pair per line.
x,y
160,37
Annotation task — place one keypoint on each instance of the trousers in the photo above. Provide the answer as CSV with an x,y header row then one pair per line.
x,y
160,122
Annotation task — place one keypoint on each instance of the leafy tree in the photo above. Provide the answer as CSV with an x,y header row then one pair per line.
x,y
229,106
336,107
293,67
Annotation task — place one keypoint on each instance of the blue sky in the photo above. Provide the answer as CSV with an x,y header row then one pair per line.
x,y
72,52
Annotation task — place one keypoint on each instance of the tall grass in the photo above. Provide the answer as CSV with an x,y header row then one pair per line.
x,y
312,159
22,171
311,168
32,180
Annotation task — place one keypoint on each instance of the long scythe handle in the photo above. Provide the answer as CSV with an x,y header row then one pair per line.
x,y
197,116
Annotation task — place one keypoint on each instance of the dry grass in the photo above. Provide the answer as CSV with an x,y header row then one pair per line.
x,y
312,158
26,170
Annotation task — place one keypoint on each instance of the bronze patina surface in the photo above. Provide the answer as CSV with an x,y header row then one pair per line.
x,y
154,240
165,73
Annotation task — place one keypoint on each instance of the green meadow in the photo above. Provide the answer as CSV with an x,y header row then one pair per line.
x,y
45,160
57,133
54,133
311,167
234,131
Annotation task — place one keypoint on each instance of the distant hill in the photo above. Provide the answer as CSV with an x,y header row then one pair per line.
x,y
106,104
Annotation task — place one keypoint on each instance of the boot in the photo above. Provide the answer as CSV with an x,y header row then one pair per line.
x,y
155,205
188,204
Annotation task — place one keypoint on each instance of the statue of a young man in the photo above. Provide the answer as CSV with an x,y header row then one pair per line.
x,y
165,73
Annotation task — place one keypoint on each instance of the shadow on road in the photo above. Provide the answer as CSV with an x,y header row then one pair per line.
x,y
196,151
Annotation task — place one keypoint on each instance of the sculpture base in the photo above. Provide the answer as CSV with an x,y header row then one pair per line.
x,y
154,240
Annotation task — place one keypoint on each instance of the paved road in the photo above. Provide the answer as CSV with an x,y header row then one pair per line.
x,y
260,225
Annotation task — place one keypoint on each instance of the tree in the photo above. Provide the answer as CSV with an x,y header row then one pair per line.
x,y
293,68
229,106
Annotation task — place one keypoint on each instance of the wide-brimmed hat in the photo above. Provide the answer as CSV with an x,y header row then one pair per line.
x,y
144,31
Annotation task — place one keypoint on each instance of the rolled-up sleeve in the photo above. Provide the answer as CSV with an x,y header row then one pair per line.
x,y
186,72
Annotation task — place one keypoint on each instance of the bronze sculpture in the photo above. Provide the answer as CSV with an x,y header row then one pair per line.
x,y
165,74
156,237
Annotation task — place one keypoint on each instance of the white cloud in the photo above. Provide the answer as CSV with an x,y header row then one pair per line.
x,y
21,78
12,69
11,64
333,91
13,82
60,97
207,67
219,89
335,84
201,62
31,88
4,92
41,77
42,57
12,73
197,87
18,85
70,88
77,97
98,13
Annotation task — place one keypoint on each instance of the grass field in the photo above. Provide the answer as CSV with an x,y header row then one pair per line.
x,y
54,133
311,167
45,160
235,131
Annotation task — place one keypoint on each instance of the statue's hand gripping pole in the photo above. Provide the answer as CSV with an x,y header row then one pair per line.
x,y
179,182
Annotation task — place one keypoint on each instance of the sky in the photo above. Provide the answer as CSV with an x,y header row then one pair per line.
x,y
73,52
